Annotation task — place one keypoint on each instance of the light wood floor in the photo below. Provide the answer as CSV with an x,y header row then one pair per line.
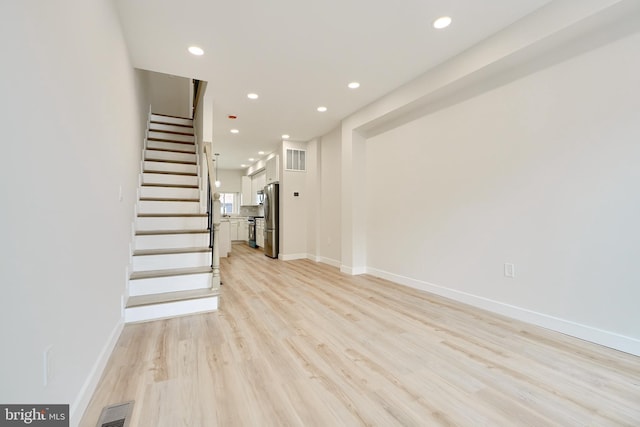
x,y
300,344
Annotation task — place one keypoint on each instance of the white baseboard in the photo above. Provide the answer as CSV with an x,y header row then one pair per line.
x,y
325,260
88,388
353,271
589,333
291,257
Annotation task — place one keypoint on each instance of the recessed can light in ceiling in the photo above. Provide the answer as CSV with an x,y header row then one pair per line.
x,y
195,50
354,85
252,96
235,131
261,152
442,22
285,136
322,109
251,159
243,165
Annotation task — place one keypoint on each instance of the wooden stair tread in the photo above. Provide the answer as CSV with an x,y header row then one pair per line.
x,y
152,138
162,232
178,162
168,199
172,215
169,185
144,252
169,272
168,297
173,117
169,131
168,150
171,173
157,122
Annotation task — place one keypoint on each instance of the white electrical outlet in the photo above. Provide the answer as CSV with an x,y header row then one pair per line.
x,y
509,270
48,365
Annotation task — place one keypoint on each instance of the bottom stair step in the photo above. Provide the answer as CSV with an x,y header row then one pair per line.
x,y
164,281
158,306
169,272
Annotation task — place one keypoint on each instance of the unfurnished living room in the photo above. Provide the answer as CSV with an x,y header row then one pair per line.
x,y
336,213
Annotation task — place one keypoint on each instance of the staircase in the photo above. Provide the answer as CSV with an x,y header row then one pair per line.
x,y
172,273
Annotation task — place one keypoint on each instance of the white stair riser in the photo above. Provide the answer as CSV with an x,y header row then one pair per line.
x,y
175,120
171,136
172,241
151,207
162,127
158,178
158,285
178,308
170,167
172,157
170,192
162,145
171,223
169,261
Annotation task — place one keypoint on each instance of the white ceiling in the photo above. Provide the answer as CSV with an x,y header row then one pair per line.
x,y
299,54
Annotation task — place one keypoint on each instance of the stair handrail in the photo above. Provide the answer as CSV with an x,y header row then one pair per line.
x,y
198,93
213,211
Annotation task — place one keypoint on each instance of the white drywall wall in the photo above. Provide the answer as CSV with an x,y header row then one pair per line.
x,y
542,173
72,142
293,209
328,218
230,180
169,94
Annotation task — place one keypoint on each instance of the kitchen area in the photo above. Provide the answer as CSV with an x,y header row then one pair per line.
x,y
250,216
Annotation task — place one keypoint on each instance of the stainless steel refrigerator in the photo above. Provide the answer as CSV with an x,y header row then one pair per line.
x,y
271,220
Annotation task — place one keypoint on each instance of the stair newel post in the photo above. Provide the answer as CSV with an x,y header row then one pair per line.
x,y
213,205
215,256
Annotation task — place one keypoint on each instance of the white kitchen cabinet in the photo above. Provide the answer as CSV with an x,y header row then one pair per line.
x,y
258,181
272,169
248,196
233,228
260,232
224,242
243,230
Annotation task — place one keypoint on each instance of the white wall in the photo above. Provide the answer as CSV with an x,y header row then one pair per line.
x,y
312,189
293,209
144,101
329,209
230,180
169,94
541,172
72,137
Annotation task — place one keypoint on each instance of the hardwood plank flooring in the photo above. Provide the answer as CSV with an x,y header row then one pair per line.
x,y
298,343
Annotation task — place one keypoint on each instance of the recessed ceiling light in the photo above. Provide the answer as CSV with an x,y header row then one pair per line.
x,y
252,96
285,136
251,159
442,22
322,109
261,152
354,85
195,50
235,131
243,165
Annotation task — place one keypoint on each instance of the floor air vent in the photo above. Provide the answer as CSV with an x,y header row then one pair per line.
x,y
116,415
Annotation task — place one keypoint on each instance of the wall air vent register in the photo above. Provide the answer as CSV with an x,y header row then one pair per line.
x,y
296,160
